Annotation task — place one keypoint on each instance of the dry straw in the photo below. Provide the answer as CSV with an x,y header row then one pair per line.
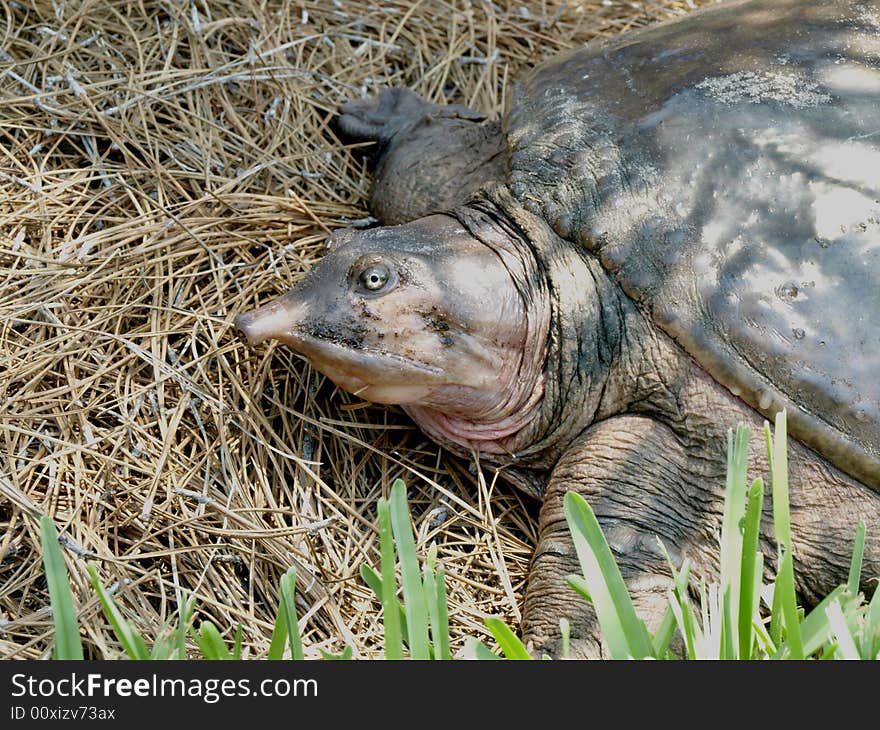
x,y
164,166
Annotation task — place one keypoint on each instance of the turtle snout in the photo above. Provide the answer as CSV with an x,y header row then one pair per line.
x,y
276,320
245,323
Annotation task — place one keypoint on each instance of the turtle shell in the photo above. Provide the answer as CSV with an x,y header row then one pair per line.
x,y
726,169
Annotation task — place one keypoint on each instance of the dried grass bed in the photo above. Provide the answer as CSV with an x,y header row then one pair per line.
x,y
165,166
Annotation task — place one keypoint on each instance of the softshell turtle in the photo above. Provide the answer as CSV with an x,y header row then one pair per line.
x,y
669,233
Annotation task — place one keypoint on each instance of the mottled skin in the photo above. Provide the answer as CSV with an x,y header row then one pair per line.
x,y
502,336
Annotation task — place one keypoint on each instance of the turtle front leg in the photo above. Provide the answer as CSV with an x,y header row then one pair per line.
x,y
428,157
644,482
634,475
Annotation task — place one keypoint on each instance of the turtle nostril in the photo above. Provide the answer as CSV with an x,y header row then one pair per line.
x,y
245,325
275,320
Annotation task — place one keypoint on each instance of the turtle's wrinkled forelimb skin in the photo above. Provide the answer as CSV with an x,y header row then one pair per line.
x,y
428,157
644,481
629,469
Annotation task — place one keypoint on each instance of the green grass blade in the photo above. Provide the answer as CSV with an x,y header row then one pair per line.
x,y
163,648
710,616
779,480
776,618
444,650
732,538
747,597
663,636
762,637
288,596
210,642
184,616
846,645
391,608
855,567
684,619
165,644
565,633
429,585
758,628
279,634
768,442
729,629
785,586
579,585
236,649
131,641
624,632
480,650
438,611
346,655
67,642
872,627
510,645
814,629
413,593
374,581
784,590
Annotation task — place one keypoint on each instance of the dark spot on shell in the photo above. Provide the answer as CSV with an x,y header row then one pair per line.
x,y
787,292
798,333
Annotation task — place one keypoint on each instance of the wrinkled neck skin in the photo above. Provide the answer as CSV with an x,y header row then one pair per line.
x,y
491,420
580,355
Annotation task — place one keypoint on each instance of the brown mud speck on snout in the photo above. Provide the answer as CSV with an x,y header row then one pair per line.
x,y
439,325
351,337
435,324
368,313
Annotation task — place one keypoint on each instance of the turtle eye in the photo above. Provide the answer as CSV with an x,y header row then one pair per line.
x,y
374,277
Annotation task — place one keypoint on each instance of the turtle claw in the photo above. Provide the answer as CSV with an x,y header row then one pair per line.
x,y
378,118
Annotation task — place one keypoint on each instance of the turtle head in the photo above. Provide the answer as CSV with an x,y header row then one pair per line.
x,y
423,315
